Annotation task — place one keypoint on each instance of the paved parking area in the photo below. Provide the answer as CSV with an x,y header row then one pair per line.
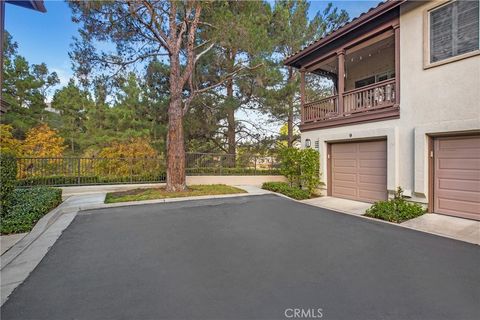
x,y
246,258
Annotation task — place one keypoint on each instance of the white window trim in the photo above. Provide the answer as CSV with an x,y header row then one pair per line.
x,y
426,39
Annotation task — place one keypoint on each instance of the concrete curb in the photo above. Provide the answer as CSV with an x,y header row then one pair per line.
x,y
167,200
40,227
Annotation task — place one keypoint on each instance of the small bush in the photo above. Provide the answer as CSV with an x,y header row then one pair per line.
x,y
300,167
8,174
286,189
395,210
27,207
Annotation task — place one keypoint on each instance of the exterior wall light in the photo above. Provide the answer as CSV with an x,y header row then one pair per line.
x,y
308,143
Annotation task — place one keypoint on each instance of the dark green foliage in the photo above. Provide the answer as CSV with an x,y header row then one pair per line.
x,y
8,174
300,167
72,180
286,189
28,206
395,210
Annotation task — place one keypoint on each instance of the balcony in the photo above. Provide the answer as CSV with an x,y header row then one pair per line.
x,y
356,83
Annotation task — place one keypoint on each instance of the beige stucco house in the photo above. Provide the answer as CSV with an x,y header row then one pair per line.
x,y
404,107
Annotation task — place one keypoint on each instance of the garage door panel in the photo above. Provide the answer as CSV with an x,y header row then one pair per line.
x,y
459,154
345,163
342,191
359,170
461,185
345,177
372,146
453,206
371,195
372,156
372,179
463,164
469,196
373,164
457,176
345,148
459,144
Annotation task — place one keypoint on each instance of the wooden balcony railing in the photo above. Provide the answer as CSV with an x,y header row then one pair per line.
x,y
362,100
374,96
320,109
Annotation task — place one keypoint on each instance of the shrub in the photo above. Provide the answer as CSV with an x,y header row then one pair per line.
x,y
290,165
28,206
286,189
309,169
8,174
395,210
300,167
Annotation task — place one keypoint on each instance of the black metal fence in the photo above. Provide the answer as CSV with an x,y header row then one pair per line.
x,y
84,171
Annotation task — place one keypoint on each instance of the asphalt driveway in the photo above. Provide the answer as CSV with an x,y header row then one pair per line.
x,y
257,257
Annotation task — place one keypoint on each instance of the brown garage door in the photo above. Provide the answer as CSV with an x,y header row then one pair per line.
x,y
359,170
457,176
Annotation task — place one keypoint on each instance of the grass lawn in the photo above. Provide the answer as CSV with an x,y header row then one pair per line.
x,y
161,193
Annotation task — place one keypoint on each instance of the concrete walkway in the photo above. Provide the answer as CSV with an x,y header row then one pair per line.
x,y
339,204
446,226
8,241
452,227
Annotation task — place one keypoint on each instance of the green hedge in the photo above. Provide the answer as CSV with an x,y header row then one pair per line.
x,y
286,189
66,180
395,210
8,174
28,206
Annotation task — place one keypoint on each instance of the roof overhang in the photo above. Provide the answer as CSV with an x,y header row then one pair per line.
x,y
36,5
353,25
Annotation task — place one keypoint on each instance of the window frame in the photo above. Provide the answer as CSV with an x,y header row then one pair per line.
x,y
426,38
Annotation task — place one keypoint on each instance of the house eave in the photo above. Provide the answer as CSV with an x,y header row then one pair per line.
x,y
342,31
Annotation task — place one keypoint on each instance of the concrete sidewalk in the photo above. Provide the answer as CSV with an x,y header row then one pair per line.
x,y
442,225
447,226
339,204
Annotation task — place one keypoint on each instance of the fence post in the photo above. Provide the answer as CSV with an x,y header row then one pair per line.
x,y
131,170
78,172
221,164
255,170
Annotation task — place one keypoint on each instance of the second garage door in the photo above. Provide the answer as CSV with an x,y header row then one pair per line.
x,y
359,170
457,176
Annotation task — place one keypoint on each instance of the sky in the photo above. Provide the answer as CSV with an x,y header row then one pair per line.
x,y
46,37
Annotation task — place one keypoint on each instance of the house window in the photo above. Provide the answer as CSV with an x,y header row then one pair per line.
x,y
454,30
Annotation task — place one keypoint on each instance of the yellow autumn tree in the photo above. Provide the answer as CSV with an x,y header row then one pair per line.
x,y
134,157
42,141
7,142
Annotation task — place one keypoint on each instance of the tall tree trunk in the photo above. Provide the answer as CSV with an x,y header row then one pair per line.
x,y
231,130
175,147
175,139
290,112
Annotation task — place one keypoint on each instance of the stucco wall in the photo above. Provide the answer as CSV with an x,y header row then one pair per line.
x,y
439,99
234,180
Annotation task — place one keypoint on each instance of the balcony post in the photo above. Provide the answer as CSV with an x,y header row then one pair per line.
x,y
302,94
341,79
396,29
